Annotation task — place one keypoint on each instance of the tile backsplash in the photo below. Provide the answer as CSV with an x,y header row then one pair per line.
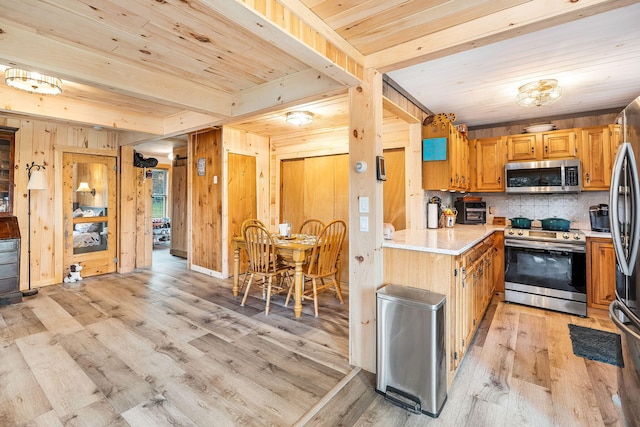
x,y
574,206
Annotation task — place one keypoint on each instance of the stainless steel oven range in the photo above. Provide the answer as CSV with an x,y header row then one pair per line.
x,y
546,269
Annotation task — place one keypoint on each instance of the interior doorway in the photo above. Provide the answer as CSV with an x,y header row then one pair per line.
x,y
89,209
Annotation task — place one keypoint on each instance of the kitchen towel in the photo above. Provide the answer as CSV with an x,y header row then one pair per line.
x,y
594,344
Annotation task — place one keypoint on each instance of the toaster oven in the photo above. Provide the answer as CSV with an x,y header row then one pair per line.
x,y
471,212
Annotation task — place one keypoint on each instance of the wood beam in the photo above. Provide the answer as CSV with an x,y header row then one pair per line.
x,y
65,109
22,47
188,121
277,25
522,19
365,247
295,89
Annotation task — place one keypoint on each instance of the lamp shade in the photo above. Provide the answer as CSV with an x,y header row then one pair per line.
x,y
32,81
37,181
538,93
84,188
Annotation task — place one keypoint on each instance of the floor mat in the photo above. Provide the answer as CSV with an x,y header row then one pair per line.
x,y
594,344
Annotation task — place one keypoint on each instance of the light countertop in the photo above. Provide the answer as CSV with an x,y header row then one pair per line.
x,y
451,241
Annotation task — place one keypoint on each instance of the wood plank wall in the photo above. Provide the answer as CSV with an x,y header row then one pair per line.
x,y
43,142
567,123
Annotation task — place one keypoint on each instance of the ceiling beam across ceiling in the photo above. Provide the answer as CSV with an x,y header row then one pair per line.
x,y
522,19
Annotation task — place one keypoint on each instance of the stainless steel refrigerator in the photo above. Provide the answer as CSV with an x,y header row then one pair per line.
x,y
624,203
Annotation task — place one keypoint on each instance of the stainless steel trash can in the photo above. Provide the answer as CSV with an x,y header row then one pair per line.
x,y
411,368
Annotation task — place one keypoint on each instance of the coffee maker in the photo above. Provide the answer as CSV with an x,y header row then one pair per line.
x,y
599,216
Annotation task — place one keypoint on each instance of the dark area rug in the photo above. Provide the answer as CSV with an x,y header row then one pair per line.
x,y
593,344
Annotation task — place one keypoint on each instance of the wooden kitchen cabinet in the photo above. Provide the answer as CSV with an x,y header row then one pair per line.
x,y
558,144
498,262
487,164
465,281
521,147
601,273
595,158
452,173
474,290
598,146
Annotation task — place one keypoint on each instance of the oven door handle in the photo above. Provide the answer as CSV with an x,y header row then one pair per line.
x,y
547,246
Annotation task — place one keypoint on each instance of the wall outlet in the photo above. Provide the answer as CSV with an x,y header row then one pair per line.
x,y
492,210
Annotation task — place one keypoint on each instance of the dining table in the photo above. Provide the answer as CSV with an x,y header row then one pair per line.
x,y
295,249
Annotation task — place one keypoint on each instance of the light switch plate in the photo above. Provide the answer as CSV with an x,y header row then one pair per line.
x,y
364,223
364,204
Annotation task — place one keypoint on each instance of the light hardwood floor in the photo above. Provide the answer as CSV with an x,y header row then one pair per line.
x,y
168,346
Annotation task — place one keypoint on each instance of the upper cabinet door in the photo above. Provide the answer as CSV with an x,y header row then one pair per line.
x,y
489,164
559,144
595,155
521,147
7,152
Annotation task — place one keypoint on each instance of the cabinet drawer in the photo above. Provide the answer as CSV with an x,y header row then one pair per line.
x,y
8,285
8,270
8,245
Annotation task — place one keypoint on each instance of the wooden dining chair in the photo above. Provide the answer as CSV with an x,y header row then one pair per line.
x,y
323,263
245,223
312,227
264,263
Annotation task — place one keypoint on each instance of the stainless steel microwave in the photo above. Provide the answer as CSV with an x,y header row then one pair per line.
x,y
546,176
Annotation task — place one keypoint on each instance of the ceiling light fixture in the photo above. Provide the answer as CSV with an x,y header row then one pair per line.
x,y
299,118
538,93
32,82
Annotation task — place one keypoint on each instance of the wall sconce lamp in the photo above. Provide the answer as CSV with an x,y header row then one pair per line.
x,y
84,188
37,181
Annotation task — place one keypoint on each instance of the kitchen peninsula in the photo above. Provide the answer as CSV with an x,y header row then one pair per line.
x,y
464,263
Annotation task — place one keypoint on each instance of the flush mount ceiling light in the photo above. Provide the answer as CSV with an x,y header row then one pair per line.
x,y
299,118
538,93
32,82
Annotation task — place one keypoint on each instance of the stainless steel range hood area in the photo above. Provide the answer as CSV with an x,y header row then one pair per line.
x,y
543,177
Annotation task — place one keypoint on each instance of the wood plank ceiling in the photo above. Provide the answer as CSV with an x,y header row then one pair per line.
x,y
162,68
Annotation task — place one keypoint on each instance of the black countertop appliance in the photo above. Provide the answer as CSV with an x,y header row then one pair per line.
x,y
599,215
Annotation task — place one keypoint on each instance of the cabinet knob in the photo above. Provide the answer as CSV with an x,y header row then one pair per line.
x,y
588,177
533,149
546,149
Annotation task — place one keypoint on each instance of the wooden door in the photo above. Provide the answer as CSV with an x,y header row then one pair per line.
x,y
292,183
316,187
393,189
89,216
243,200
179,230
